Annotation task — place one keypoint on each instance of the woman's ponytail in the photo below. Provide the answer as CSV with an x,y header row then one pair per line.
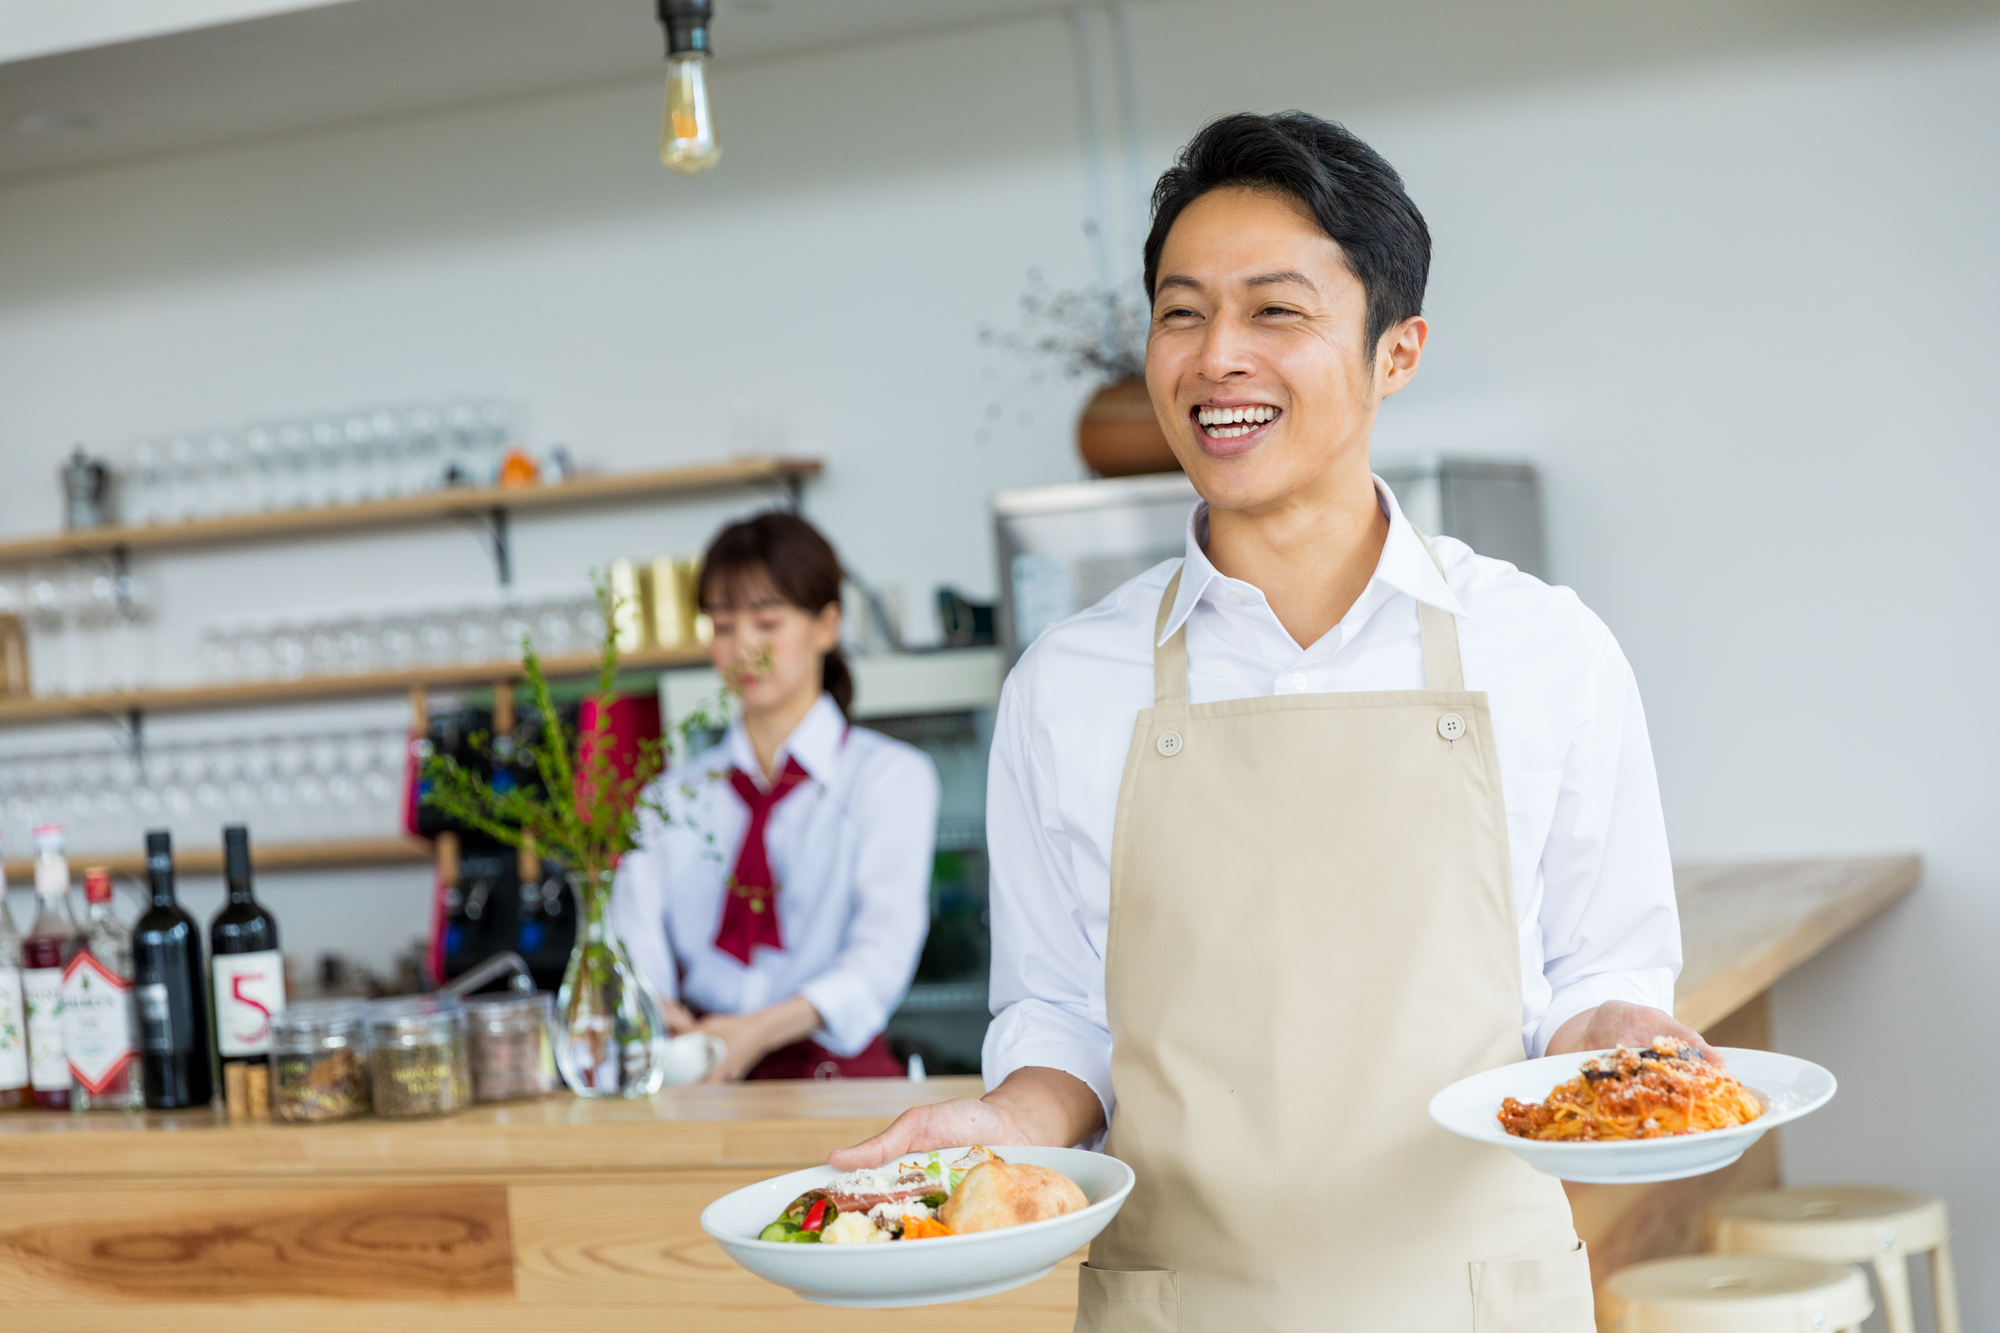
x,y
838,681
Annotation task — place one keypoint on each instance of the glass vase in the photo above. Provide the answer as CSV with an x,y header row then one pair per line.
x,y
610,1029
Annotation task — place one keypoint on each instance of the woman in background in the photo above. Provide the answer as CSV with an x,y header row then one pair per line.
x,y
783,902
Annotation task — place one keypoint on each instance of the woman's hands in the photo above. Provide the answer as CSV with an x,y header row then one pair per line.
x,y
750,1037
1622,1023
1034,1106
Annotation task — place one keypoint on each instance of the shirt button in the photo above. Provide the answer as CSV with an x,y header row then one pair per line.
x,y
1451,726
1169,743
1299,681
1235,597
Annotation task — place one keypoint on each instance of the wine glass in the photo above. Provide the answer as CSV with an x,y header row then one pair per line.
x,y
263,463
296,461
322,642
423,434
329,455
48,646
145,499
288,652
358,457
184,481
391,447
437,641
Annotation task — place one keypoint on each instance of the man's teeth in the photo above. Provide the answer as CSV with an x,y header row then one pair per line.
x,y
1227,423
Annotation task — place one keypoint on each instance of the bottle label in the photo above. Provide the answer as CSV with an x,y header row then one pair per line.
x,y
41,993
249,994
156,1018
97,1023
13,1031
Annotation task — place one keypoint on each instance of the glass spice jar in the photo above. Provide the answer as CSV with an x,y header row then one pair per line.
x,y
511,1052
417,1055
319,1061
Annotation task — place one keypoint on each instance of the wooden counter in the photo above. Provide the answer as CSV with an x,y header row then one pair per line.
x,y
564,1213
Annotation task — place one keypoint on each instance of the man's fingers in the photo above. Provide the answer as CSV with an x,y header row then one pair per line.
x,y
891,1142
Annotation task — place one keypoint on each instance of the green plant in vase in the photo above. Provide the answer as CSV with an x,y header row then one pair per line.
x,y
585,813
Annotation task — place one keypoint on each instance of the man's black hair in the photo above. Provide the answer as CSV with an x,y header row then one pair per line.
x,y
1354,194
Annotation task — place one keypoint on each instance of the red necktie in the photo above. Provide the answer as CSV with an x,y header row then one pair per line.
x,y
750,898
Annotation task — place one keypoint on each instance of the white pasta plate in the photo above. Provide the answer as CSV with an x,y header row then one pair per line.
x,y
917,1272
1788,1087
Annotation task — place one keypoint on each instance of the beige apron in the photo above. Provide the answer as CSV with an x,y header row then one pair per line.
x,y
1312,931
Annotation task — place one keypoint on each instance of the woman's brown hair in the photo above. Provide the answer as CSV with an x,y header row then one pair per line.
x,y
798,563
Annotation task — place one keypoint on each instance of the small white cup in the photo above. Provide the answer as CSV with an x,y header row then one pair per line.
x,y
689,1056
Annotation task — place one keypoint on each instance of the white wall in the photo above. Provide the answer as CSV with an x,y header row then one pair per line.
x,y
1726,273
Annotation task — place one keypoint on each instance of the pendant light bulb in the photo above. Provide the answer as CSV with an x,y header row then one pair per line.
x,y
687,139
687,136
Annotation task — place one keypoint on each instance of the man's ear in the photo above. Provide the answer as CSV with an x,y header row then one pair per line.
x,y
1397,353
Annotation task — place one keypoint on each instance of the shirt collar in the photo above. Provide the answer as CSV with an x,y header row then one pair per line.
x,y
1404,565
815,742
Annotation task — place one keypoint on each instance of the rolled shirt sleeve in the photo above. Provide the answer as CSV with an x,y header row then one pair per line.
x,y
895,806
1046,990
1610,924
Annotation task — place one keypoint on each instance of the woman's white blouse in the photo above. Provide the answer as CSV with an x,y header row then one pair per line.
x,y
850,849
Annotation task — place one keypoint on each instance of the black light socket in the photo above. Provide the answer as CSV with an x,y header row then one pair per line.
x,y
686,22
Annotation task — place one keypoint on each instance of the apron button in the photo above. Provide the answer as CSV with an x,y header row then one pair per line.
x,y
1451,726
1169,743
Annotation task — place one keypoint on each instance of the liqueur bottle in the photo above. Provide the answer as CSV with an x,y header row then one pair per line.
x,y
13,1013
99,1031
174,1058
47,946
249,975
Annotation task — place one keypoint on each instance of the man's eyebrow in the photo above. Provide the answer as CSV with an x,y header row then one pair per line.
x,y
1282,276
1273,279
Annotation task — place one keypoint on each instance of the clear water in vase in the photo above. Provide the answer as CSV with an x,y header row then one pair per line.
x,y
610,1029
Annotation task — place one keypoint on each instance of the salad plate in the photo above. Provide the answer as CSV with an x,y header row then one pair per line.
x,y
1787,1086
918,1272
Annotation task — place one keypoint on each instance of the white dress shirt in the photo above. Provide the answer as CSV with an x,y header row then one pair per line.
x,y
850,849
1593,884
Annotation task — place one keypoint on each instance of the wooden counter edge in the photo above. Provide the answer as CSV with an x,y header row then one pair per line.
x,y
1730,989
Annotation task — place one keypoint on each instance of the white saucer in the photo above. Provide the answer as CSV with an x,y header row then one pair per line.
x,y
917,1272
1788,1087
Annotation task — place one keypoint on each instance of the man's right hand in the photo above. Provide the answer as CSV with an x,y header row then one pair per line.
x,y
1034,1106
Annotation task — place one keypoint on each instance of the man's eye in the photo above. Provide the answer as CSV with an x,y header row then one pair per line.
x,y
1276,310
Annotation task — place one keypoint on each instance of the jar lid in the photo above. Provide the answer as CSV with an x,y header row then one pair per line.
x,y
315,1018
416,1015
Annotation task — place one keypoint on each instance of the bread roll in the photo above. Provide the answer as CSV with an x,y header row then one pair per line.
x,y
1006,1194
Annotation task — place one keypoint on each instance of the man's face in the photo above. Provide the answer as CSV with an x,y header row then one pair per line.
x,y
1255,361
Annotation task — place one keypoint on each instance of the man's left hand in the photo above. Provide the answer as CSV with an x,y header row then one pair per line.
x,y
1622,1023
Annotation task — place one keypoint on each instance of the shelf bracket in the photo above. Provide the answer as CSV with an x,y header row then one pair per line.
x,y
135,740
795,491
503,547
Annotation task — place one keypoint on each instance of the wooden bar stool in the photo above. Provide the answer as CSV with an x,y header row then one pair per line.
x,y
1733,1293
1847,1224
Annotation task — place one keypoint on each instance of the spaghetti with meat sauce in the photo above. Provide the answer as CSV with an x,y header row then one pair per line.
x,y
1650,1093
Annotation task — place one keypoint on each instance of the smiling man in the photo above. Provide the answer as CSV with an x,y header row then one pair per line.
x,y
1292,832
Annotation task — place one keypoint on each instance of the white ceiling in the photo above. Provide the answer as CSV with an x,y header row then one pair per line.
x,y
289,66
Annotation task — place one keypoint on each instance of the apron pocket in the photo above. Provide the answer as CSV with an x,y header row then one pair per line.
x,y
1549,1295
1112,1300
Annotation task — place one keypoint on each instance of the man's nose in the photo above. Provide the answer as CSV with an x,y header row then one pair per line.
x,y
1225,350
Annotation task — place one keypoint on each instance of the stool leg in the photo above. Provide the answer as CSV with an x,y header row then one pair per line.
x,y
1944,1290
1892,1274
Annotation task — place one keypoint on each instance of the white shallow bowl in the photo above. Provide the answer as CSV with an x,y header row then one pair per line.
x,y
917,1272
1788,1087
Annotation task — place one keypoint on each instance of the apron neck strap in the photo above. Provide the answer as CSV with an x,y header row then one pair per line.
x,y
1442,669
1169,658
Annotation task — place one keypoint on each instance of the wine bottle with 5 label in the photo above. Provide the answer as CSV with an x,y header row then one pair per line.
x,y
13,1012
174,1053
249,976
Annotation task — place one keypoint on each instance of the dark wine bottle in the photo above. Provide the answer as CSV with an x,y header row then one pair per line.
x,y
249,975
174,1058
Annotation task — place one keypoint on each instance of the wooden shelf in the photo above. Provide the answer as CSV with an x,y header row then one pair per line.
x,y
432,506
267,857
263,693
